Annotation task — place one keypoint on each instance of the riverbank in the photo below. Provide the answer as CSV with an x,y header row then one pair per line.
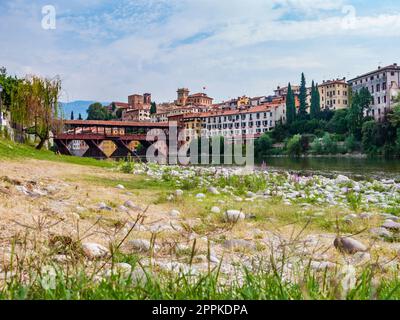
x,y
149,232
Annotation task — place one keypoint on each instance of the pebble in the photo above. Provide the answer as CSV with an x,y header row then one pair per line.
x,y
215,210
213,190
349,245
94,250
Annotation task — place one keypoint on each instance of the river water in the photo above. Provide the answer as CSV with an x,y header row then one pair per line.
x,y
352,167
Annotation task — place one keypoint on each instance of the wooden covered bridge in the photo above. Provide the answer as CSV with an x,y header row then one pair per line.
x,y
94,133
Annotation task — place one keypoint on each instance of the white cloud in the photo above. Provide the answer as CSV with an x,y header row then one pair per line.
x,y
106,53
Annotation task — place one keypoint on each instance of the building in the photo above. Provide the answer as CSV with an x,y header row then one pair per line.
x,y
115,106
252,121
282,91
334,94
383,84
137,114
198,99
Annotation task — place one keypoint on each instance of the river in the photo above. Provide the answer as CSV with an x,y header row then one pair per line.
x,y
352,167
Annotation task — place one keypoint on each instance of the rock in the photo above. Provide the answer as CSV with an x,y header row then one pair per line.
x,y
239,244
200,196
237,199
361,258
391,225
213,190
138,276
129,204
179,193
365,216
140,245
121,269
234,216
349,245
215,210
123,208
322,265
381,232
94,250
250,194
120,186
342,179
214,259
103,206
174,213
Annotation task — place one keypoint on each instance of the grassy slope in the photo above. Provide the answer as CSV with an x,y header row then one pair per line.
x,y
13,151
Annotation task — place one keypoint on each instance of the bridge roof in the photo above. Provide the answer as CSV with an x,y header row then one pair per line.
x,y
124,124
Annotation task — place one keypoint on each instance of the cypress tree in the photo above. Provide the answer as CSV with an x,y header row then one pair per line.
x,y
153,108
315,107
303,98
72,115
80,117
290,106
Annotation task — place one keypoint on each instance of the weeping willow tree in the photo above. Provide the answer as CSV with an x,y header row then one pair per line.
x,y
35,108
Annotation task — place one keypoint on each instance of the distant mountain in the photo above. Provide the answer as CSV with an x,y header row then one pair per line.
x,y
78,107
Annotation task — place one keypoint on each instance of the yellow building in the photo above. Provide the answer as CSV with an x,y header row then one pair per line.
x,y
334,94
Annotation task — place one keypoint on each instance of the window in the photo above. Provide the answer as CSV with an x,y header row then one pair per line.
x,y
378,87
384,99
384,86
379,100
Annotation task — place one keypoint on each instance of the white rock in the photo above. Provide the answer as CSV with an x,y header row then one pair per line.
x,y
139,245
213,190
239,243
234,216
179,193
129,204
215,210
120,186
391,225
103,206
94,250
200,196
174,213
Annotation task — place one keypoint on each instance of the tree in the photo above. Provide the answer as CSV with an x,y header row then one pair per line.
x,y
338,124
369,132
290,106
263,146
80,117
97,112
294,146
10,85
360,105
315,107
72,115
153,108
303,98
35,107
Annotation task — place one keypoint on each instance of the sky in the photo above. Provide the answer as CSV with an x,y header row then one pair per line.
x,y
105,50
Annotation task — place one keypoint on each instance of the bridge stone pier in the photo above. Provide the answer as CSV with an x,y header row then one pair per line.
x,y
121,133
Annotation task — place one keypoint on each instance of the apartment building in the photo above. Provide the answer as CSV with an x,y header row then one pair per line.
x,y
253,121
334,94
383,84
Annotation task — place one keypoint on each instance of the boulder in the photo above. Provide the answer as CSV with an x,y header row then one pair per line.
x,y
391,225
349,245
381,232
234,216
120,186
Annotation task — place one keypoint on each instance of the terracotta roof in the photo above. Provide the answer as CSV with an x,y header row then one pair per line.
x,y
114,123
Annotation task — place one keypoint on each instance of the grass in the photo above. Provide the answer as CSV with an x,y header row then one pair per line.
x,y
16,151
261,285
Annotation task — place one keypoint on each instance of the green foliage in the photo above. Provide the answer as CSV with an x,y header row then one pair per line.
x,y
35,106
97,111
360,105
303,99
294,146
153,108
315,107
370,137
324,145
338,123
290,106
351,143
263,146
